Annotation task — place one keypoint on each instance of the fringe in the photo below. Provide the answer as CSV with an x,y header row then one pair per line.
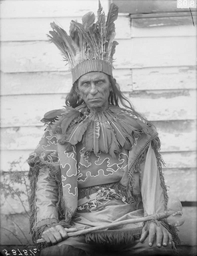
x,y
173,231
113,240
56,175
33,177
131,198
155,143
156,147
35,165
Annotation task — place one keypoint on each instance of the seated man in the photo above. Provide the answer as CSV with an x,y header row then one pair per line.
x,y
98,163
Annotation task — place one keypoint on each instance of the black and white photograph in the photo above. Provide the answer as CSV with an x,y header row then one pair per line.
x,y
98,127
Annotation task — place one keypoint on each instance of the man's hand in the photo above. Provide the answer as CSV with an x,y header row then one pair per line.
x,y
56,234
156,233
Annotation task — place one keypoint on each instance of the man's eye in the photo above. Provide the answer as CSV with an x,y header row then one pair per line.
x,y
85,85
99,82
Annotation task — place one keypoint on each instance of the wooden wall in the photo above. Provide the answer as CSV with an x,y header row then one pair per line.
x,y
154,65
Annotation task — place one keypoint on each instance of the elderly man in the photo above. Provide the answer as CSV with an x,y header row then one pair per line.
x,y
98,163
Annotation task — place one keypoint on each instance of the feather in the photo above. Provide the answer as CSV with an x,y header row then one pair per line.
x,y
119,135
52,115
74,34
65,120
78,131
96,135
77,37
88,138
95,44
113,49
101,29
54,38
111,17
88,20
64,42
105,134
106,141
110,45
67,39
114,147
84,34
68,118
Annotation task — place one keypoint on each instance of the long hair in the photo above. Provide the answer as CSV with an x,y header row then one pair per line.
x,y
116,97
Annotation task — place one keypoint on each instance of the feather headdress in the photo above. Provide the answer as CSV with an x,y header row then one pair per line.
x,y
90,46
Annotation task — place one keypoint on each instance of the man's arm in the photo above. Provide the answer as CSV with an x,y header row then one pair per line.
x,y
155,200
44,176
46,199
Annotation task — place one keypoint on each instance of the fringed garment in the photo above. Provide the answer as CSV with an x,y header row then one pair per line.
x,y
94,168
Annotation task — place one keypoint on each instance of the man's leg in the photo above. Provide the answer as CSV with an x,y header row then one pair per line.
x,y
145,249
64,250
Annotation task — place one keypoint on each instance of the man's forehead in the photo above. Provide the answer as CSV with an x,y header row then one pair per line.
x,y
93,76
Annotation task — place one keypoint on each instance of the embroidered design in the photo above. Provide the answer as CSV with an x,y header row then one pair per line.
x,y
102,165
103,196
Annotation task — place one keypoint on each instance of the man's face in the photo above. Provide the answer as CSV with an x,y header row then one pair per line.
x,y
94,89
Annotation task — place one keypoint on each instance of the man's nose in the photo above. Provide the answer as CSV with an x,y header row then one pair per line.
x,y
93,89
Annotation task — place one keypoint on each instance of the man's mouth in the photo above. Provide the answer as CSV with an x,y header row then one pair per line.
x,y
95,99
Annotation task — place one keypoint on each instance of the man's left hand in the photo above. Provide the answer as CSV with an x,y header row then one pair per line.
x,y
156,233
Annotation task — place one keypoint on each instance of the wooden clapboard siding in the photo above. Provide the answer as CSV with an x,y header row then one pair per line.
x,y
24,29
75,8
164,78
155,78
157,52
174,135
42,8
25,110
50,82
157,73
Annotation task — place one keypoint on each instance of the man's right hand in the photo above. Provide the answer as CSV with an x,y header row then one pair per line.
x,y
56,234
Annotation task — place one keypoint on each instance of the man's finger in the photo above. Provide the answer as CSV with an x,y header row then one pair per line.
x,y
143,236
62,231
48,236
152,231
165,238
159,235
57,235
170,239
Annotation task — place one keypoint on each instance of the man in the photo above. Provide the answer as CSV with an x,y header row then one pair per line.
x,y
97,163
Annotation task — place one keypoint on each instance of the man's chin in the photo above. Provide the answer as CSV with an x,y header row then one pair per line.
x,y
96,107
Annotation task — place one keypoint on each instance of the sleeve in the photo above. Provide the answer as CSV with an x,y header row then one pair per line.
x,y
153,190
44,185
154,193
